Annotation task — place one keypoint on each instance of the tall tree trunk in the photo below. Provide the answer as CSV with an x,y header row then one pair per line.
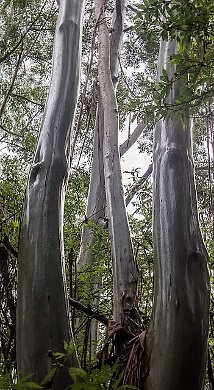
x,y
96,204
95,212
42,312
125,273
177,337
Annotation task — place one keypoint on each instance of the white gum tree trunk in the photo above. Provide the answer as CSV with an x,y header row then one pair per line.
x,y
177,337
96,203
125,273
42,312
95,212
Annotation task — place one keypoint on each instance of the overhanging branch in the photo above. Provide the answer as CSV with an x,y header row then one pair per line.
x,y
137,186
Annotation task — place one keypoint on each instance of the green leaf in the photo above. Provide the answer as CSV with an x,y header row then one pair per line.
x,y
69,348
76,373
26,385
49,377
59,355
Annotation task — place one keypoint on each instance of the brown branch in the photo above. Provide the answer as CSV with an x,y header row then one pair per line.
x,y
41,29
21,97
125,79
9,246
134,9
88,311
12,83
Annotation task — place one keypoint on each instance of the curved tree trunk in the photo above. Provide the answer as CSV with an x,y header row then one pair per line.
x,y
177,337
42,312
125,273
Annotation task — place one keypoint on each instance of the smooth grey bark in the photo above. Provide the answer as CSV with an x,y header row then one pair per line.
x,y
42,310
95,213
127,144
177,337
125,273
96,203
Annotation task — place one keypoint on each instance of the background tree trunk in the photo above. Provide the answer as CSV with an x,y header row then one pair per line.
x,y
177,337
125,273
96,204
42,312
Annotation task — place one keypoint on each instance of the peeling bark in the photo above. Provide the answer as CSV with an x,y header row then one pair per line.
x,y
177,337
42,310
125,273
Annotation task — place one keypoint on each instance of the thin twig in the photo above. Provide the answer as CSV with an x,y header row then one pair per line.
x,y
10,52
27,99
12,83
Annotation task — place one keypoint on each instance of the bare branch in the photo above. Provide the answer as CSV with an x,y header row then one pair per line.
x,y
88,311
9,246
27,99
132,138
8,131
12,83
137,186
10,52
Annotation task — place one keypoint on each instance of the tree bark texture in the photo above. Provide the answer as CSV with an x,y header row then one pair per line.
x,y
42,310
125,273
95,213
177,337
96,203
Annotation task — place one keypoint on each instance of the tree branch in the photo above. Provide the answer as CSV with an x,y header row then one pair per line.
x,y
9,246
10,52
88,311
136,187
132,138
27,99
9,132
12,83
